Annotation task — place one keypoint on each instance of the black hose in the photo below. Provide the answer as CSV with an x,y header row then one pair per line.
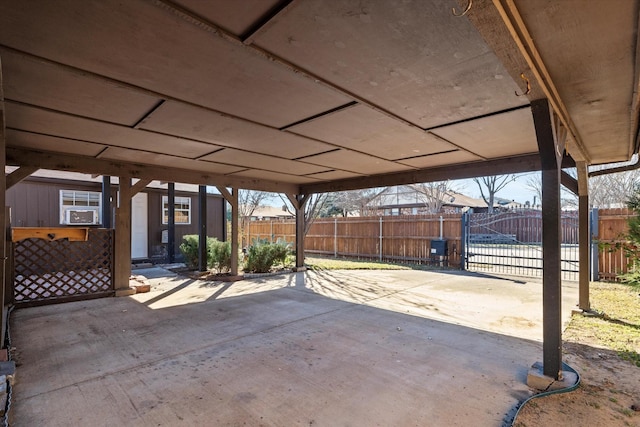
x,y
549,393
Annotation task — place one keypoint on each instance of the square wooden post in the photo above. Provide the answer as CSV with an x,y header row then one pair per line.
x,y
584,239
551,152
5,247
202,228
122,247
232,198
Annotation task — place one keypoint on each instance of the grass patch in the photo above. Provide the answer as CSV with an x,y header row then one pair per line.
x,y
616,321
319,263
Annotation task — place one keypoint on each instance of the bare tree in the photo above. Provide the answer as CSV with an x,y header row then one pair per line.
x,y
312,208
360,201
568,200
248,202
613,189
433,194
490,185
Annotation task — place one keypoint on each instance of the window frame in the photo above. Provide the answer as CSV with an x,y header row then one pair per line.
x,y
77,205
179,200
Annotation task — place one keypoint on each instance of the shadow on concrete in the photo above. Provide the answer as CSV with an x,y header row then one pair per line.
x,y
296,349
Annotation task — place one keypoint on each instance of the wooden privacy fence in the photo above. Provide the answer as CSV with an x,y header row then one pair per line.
x,y
397,238
612,226
408,238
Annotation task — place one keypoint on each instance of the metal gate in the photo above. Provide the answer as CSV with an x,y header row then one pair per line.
x,y
511,243
59,265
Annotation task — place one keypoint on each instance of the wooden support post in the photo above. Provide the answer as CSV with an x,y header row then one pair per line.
x,y
551,151
298,201
5,246
584,238
122,247
232,198
202,228
171,237
106,202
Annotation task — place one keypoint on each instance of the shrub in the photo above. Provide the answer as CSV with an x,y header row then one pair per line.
x,y
219,255
259,257
262,255
189,248
281,251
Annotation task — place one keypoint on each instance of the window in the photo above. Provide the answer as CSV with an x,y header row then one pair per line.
x,y
80,207
183,210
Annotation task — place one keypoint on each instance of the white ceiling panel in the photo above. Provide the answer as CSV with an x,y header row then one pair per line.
x,y
274,176
165,160
62,125
42,83
442,159
333,174
36,141
260,161
184,120
135,42
237,16
355,162
414,59
501,135
366,130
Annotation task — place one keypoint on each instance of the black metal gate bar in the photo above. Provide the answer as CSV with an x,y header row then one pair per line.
x,y
510,242
54,271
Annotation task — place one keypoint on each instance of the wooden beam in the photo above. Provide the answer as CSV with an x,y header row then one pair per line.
x,y
75,163
298,200
508,165
228,196
139,186
19,174
569,182
551,239
526,49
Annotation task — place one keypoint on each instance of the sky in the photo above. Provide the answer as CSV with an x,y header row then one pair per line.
x,y
516,190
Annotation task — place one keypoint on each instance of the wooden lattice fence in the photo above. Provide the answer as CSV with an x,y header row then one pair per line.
x,y
47,271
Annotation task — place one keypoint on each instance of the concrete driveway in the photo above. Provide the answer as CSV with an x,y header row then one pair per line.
x,y
329,348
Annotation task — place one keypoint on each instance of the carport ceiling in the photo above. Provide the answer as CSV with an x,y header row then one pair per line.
x,y
312,95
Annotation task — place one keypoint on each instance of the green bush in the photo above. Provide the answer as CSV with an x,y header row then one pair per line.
x,y
262,255
189,249
218,253
281,251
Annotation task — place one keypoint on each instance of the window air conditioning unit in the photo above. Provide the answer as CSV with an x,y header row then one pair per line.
x,y
81,217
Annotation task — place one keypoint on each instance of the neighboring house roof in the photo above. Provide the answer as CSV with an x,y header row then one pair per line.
x,y
405,197
83,177
267,212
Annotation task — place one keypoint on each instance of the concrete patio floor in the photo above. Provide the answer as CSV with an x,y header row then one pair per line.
x,y
328,348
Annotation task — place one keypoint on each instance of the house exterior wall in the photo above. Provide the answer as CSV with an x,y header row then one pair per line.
x,y
36,203
215,221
